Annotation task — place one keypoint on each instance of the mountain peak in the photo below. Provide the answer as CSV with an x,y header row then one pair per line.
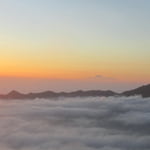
x,y
13,92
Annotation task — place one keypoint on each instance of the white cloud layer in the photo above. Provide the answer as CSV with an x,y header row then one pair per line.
x,y
75,124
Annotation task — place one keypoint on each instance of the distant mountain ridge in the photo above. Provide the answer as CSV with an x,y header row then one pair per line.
x,y
144,91
50,94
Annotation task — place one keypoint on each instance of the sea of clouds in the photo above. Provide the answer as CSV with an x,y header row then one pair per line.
x,y
115,123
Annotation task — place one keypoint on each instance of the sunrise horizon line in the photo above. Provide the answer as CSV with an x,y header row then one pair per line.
x,y
71,91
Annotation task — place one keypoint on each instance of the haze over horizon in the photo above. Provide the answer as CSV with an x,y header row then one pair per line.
x,y
64,45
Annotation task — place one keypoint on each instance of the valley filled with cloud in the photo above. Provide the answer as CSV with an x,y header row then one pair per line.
x,y
114,123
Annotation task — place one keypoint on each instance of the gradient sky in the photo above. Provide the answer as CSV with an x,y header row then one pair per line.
x,y
72,44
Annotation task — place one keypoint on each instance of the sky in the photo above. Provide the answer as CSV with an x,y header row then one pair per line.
x,y
69,45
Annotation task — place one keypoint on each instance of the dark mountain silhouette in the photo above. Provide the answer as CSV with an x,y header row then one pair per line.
x,y
144,91
51,94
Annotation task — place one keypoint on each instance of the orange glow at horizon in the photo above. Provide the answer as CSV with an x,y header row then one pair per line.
x,y
55,67
74,73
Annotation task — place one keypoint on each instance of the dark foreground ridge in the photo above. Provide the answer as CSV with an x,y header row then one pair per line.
x,y
144,91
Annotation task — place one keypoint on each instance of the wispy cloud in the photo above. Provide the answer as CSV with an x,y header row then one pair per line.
x,y
99,76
